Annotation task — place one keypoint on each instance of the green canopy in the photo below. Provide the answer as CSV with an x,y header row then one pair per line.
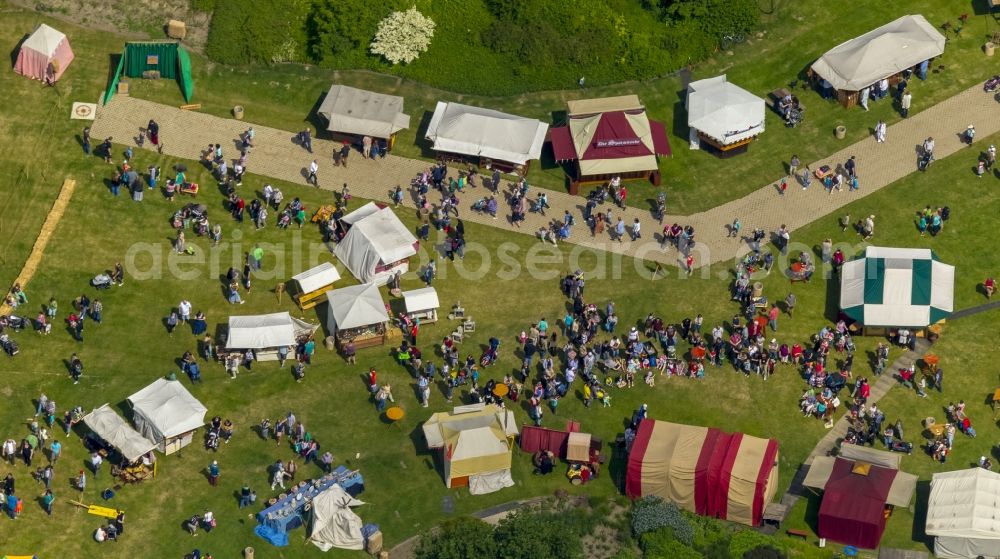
x,y
167,57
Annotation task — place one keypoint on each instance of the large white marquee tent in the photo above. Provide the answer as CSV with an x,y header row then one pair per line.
x,y
167,414
485,133
723,111
377,245
963,514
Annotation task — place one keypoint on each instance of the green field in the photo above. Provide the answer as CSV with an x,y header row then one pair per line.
x,y
405,491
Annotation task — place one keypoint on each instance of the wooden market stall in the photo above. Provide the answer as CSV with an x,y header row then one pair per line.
x,y
131,453
353,113
357,314
485,137
422,304
313,283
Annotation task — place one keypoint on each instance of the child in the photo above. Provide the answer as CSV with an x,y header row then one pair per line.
x,y
650,379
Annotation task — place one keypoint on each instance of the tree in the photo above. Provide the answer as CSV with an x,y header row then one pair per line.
x,y
402,36
340,28
459,538
531,535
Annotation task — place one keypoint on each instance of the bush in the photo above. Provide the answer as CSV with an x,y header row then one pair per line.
x,y
660,545
459,538
403,36
715,17
653,513
531,535
744,541
765,552
257,31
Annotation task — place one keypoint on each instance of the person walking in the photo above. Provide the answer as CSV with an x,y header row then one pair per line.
x,y
47,499
851,167
345,151
95,463
790,304
213,473
793,165
313,168
620,229
904,103
81,481
734,228
305,137
880,129
86,140
784,237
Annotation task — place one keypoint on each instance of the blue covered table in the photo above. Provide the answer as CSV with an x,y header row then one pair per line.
x,y
286,514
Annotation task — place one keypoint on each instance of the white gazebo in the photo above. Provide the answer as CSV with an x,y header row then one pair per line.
x,y
723,114
422,304
357,314
167,414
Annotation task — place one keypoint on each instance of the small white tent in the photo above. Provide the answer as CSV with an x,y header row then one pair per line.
x,y
422,303
114,430
963,514
44,55
317,278
485,133
334,524
724,112
265,333
167,414
376,246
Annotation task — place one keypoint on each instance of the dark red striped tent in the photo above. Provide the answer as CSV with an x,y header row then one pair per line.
x,y
731,476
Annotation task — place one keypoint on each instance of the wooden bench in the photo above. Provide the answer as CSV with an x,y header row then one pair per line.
x,y
309,300
798,533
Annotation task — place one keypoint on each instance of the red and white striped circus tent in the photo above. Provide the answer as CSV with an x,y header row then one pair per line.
x,y
731,476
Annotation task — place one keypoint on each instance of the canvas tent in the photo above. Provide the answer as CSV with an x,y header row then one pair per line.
x,y
476,447
317,277
963,514
333,523
422,303
114,430
897,287
166,57
724,114
854,500
724,475
486,134
377,245
363,113
357,313
880,53
265,333
167,414
44,55
610,136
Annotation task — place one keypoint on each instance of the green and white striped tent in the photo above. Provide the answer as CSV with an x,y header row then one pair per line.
x,y
899,287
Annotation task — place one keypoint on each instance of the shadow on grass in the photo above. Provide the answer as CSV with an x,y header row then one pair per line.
x,y
918,534
17,49
421,141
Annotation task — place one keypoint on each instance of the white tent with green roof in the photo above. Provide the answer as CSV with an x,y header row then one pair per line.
x,y
897,287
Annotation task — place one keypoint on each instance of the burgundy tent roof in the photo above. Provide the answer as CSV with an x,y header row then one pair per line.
x,y
562,144
660,141
853,507
614,139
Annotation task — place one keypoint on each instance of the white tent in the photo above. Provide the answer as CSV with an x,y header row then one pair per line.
x,y
356,306
118,433
167,414
334,524
422,303
266,331
897,287
880,53
364,113
376,246
44,55
317,278
486,133
963,513
724,111
475,442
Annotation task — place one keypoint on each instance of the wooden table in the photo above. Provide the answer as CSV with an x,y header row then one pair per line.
x,y
395,414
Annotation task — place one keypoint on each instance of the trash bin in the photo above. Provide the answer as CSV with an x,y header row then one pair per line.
x,y
330,343
840,132
989,48
248,553
238,112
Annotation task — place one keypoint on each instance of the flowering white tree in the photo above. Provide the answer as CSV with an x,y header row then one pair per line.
x,y
402,36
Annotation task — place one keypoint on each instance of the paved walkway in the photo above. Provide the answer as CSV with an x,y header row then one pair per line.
x,y
186,133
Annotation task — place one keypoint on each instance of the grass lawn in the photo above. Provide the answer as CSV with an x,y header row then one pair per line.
x,y
404,487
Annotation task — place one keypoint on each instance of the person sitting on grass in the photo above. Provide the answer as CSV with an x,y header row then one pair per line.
x,y
990,285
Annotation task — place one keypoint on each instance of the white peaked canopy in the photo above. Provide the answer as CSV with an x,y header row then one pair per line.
x,y
365,113
880,53
963,513
317,278
467,130
44,47
334,524
265,331
897,287
376,246
422,299
165,410
724,111
118,433
356,306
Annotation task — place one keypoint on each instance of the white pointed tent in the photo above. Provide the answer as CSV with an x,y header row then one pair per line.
x,y
485,133
167,414
724,112
363,113
334,524
377,245
963,513
897,287
44,55
880,53
357,313
114,430
476,445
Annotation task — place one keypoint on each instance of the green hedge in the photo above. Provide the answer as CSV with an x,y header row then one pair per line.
x,y
489,47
